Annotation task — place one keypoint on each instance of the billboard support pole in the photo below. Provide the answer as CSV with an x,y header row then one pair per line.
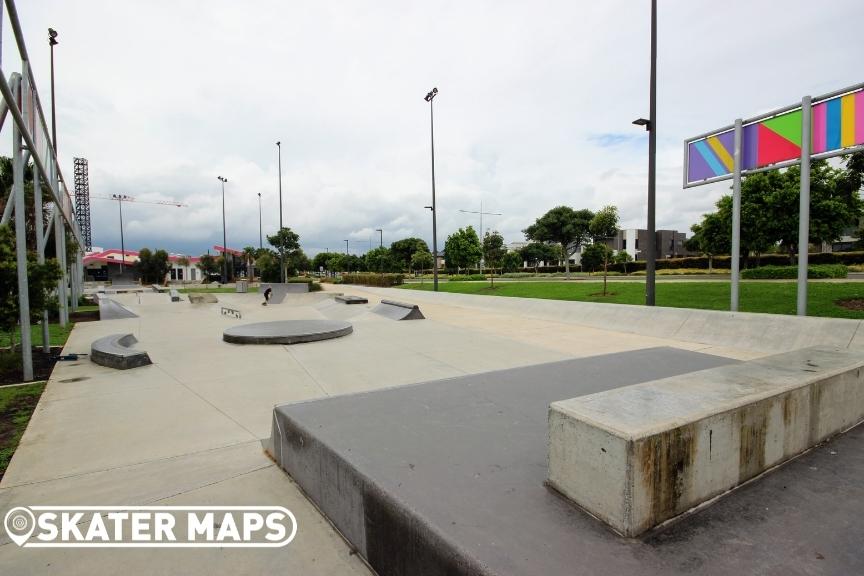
x,y
736,217
804,212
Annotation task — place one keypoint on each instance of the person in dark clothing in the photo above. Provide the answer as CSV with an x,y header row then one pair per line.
x,y
267,294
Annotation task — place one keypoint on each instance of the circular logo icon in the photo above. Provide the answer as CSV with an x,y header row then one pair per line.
x,y
19,523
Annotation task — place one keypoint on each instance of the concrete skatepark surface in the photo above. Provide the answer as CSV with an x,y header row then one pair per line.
x,y
187,430
287,332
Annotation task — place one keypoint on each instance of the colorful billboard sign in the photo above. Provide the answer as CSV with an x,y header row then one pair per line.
x,y
837,127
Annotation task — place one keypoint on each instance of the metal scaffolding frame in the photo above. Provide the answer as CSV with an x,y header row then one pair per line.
x,y
31,140
82,202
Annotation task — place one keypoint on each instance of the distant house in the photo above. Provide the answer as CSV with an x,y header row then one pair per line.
x,y
104,265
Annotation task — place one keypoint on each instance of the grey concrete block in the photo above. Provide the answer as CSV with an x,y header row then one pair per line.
x,y
115,351
348,299
175,295
202,298
638,456
112,310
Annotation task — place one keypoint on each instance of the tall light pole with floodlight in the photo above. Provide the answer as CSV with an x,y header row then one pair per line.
x,y
429,97
381,232
650,125
224,235
52,40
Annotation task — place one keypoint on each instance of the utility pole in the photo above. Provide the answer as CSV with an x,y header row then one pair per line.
x,y
429,97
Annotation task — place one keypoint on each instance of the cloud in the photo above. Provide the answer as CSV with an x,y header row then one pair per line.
x,y
534,108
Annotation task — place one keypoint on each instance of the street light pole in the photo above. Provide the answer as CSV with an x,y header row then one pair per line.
x,y
120,198
224,237
346,247
650,262
381,242
429,97
260,228
52,40
281,251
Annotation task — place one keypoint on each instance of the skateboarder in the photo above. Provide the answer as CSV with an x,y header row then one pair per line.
x,y
267,294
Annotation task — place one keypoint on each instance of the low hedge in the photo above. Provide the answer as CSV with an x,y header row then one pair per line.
x,y
313,286
465,277
372,279
791,272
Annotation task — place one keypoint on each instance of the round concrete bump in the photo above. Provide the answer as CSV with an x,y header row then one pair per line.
x,y
287,332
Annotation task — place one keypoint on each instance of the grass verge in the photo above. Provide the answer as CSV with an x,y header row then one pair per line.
x,y
767,297
16,406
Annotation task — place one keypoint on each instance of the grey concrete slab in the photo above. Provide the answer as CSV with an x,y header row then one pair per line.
x,y
350,299
287,332
116,351
112,310
448,476
202,298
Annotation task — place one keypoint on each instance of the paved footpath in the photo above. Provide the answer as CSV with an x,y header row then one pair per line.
x,y
187,430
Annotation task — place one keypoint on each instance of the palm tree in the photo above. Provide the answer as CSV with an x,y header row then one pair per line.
x,y
249,253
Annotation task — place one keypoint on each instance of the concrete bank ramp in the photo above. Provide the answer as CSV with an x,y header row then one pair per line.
x,y
398,310
112,310
280,290
447,477
115,351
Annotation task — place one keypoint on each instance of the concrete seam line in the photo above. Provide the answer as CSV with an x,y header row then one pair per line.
x,y
306,370
130,465
214,482
184,385
858,327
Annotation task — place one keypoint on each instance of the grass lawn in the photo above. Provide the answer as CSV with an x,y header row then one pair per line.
x,y
57,334
220,290
769,297
16,405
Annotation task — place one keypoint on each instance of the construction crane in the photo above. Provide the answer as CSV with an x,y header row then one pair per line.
x,y
120,198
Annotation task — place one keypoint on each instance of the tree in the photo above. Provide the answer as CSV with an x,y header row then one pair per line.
x,y
462,249
493,252
268,265
562,225
249,253
381,260
422,260
153,266
287,244
537,252
41,281
603,226
511,262
209,265
321,261
593,256
623,258
710,238
403,250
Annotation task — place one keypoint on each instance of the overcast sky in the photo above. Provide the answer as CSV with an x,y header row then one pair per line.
x,y
534,107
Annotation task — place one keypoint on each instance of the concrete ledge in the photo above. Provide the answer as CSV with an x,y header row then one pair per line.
x,y
115,351
638,456
398,310
202,298
175,295
348,299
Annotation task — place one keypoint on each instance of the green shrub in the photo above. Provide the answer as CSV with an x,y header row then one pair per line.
x,y
313,286
791,272
371,279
